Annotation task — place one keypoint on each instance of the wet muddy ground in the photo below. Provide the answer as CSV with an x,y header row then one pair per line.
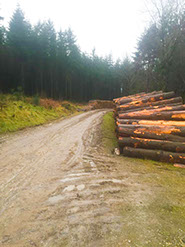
x,y
59,187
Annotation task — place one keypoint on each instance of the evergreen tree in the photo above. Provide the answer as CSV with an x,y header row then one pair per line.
x,y
52,65
18,40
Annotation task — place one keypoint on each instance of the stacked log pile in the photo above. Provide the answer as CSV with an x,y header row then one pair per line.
x,y
101,104
151,126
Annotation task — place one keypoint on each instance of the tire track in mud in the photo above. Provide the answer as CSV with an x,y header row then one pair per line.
x,y
27,172
5,161
82,194
14,160
58,187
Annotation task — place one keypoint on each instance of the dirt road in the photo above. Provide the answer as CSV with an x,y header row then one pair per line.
x,y
59,188
50,185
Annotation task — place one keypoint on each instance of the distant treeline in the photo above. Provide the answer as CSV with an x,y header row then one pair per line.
x,y
50,64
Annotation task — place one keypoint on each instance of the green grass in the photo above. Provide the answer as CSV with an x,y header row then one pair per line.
x,y
159,220
18,114
108,131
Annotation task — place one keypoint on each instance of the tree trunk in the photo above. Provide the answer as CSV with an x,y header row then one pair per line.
x,y
174,107
157,155
150,122
134,96
149,98
171,115
152,111
116,100
138,98
137,104
159,129
126,132
22,76
152,144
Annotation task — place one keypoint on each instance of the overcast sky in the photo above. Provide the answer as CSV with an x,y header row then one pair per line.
x,y
111,26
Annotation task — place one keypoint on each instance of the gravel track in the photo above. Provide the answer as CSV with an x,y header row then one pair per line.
x,y
58,187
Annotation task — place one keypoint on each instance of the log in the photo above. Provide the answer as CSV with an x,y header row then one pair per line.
x,y
150,122
129,96
135,96
126,132
137,104
179,105
150,98
138,97
152,144
159,129
157,155
152,110
171,115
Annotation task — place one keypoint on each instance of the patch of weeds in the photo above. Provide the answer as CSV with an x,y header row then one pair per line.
x,y
18,94
108,132
36,100
21,112
159,223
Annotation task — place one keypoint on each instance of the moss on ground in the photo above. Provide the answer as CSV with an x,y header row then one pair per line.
x,y
155,216
108,131
18,114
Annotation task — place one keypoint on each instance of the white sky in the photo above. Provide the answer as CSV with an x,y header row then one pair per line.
x,y
111,26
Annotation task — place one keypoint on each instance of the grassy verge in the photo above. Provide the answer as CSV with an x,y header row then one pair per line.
x,y
17,114
153,212
108,131
159,220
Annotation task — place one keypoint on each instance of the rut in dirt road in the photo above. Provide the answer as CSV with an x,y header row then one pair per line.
x,y
57,187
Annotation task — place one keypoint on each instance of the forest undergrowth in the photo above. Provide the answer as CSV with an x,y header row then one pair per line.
x,y
18,111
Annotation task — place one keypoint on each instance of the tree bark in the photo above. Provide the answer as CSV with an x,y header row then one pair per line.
x,y
151,109
137,104
171,115
152,144
157,155
150,122
129,96
149,98
159,129
126,132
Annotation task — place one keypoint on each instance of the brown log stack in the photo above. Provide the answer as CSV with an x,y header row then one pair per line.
x,y
151,126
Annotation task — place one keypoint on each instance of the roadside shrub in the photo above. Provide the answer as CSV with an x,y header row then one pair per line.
x,y
49,103
2,101
2,97
18,94
36,100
